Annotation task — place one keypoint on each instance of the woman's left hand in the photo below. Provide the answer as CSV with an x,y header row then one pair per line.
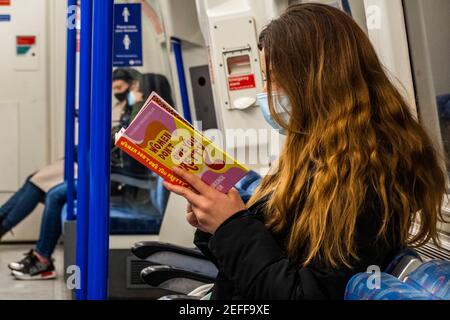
x,y
210,207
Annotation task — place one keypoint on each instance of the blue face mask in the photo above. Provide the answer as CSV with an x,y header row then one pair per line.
x,y
131,99
282,108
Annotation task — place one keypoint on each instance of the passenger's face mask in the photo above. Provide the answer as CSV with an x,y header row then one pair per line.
x,y
282,108
122,96
131,99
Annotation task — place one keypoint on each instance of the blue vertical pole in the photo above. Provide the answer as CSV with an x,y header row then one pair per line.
x,y
346,6
178,52
83,146
99,190
71,61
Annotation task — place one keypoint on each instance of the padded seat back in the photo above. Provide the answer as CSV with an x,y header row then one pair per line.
x,y
406,278
432,277
359,288
137,218
248,185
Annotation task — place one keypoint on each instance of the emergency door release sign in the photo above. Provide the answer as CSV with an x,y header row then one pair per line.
x,y
127,35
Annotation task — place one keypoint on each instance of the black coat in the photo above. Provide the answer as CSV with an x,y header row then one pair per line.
x,y
253,264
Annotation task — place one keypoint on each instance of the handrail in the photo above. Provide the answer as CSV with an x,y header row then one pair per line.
x,y
178,52
82,247
69,158
100,137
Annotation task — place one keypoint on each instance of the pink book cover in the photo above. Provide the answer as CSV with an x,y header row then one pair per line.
x,y
161,139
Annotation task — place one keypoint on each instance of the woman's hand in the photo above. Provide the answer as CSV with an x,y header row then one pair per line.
x,y
208,208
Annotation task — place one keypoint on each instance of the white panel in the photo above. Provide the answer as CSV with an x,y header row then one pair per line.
x,y
175,219
28,127
240,142
29,88
57,79
387,31
180,20
9,161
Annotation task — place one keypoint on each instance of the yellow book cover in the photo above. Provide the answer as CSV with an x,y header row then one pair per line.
x,y
161,139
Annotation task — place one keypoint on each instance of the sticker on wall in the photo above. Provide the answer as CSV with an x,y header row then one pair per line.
x,y
5,17
127,35
27,53
25,44
242,82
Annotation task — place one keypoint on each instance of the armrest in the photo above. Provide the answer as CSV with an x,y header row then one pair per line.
x,y
143,250
157,275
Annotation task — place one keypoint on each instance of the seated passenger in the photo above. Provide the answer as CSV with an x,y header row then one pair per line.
x,y
48,185
355,173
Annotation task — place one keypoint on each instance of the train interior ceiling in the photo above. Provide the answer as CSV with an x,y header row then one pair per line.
x,y
189,52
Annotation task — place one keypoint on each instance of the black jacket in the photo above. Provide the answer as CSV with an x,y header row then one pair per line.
x,y
253,264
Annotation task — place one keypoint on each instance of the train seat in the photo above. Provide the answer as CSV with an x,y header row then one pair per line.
x,y
142,219
407,278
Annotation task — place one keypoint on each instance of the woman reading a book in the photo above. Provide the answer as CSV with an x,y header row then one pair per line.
x,y
355,173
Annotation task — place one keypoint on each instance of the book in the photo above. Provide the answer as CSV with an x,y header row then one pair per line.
x,y
161,139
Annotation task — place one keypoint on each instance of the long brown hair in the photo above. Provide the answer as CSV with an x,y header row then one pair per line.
x,y
350,131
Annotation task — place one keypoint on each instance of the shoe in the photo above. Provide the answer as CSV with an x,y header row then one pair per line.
x,y
33,269
19,265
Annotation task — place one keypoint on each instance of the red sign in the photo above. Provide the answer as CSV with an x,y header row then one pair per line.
x,y
242,82
26,40
5,2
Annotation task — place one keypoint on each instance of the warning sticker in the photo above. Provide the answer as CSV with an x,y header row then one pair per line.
x,y
242,82
24,44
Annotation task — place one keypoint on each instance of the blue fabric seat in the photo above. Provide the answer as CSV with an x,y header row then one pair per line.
x,y
430,281
391,289
146,219
141,219
248,185
123,221
432,277
444,106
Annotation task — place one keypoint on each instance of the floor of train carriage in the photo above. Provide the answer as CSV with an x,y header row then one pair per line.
x,y
11,289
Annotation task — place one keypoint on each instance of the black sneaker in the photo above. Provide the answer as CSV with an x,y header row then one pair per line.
x,y
35,270
19,265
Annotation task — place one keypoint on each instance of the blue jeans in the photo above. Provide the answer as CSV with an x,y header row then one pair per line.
x,y
20,205
51,220
24,201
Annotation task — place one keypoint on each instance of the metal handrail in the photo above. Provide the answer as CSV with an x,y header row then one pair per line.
x,y
82,247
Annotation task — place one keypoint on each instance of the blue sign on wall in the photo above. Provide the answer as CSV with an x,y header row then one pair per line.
x,y
127,35
5,17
